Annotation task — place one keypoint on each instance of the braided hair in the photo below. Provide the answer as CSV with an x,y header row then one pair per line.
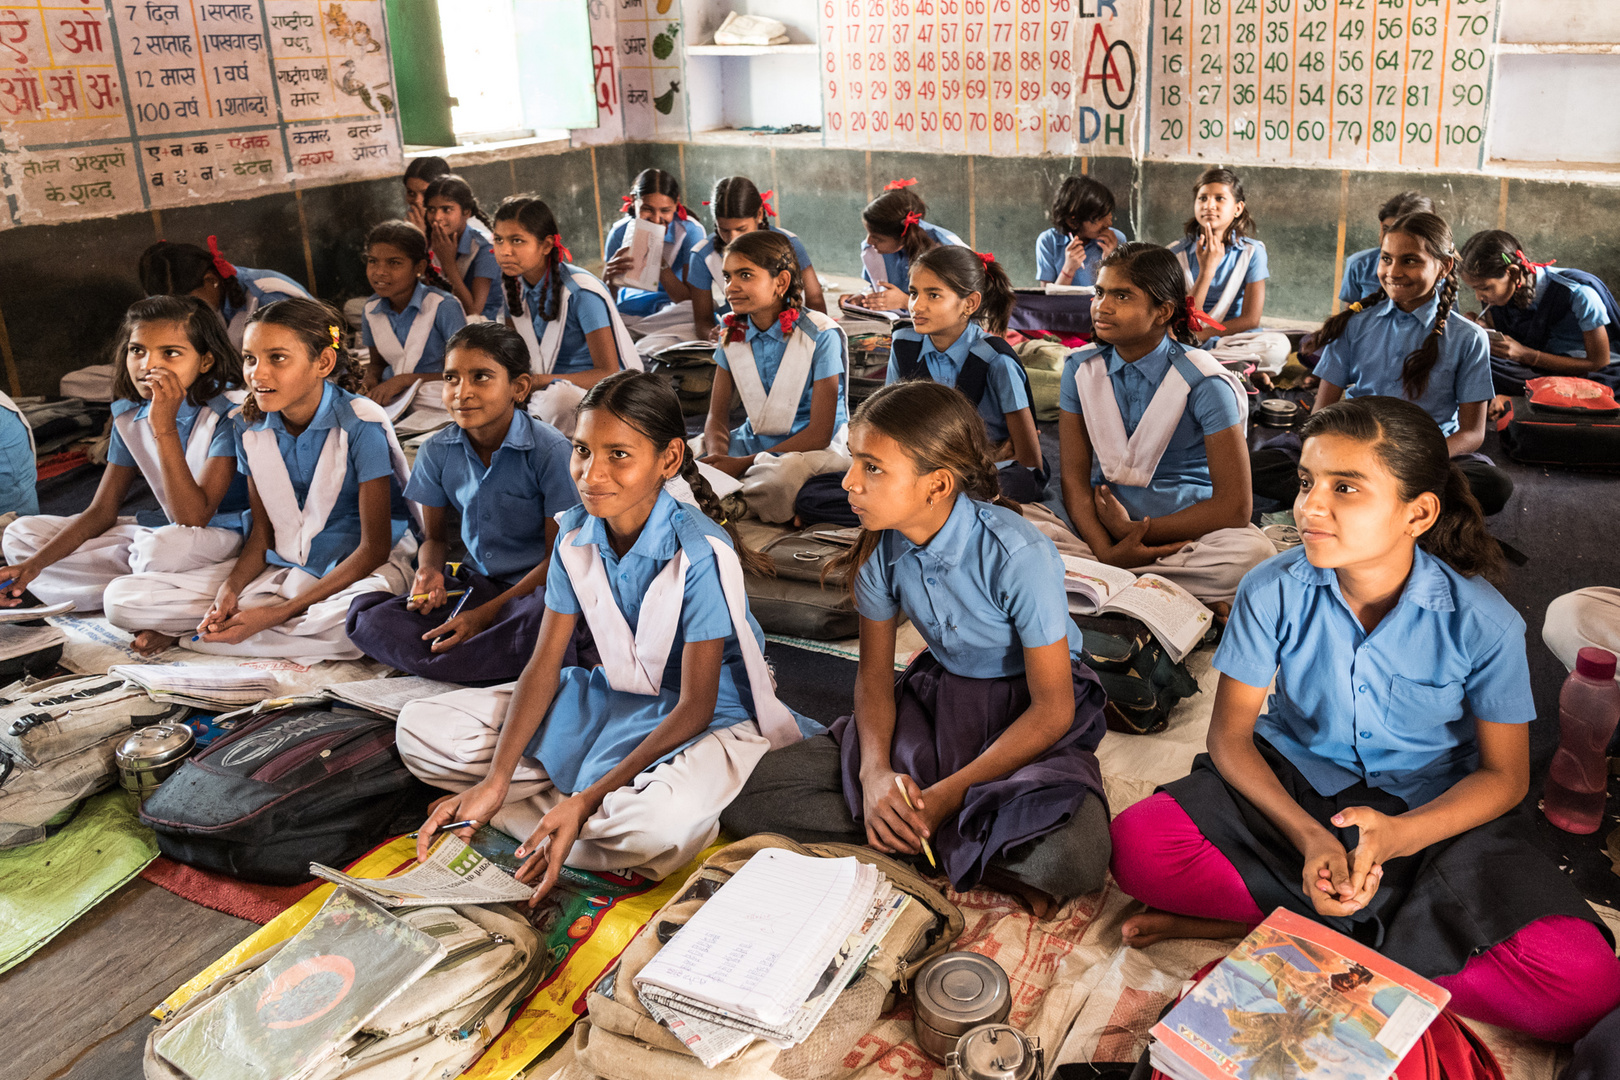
x,y
167,269
964,272
1495,254
410,240
1243,224
734,197
939,428
1157,272
535,218
318,326
886,216
646,402
457,190
771,252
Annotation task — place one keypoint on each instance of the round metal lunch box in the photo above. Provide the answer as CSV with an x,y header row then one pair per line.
x,y
996,1052
954,993
151,755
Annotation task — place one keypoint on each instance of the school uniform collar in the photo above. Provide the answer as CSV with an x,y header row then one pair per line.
x,y
1423,313
958,352
1426,586
325,414
519,436
414,304
533,293
187,410
773,331
657,542
1151,367
948,546
1543,279
465,244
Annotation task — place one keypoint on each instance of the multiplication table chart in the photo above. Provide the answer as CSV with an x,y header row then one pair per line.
x,y
1395,83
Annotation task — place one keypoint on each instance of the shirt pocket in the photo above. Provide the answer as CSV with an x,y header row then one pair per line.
x,y
1423,705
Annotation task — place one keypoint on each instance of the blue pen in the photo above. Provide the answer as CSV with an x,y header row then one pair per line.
x,y
453,613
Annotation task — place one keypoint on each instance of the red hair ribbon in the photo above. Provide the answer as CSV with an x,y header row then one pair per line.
x,y
985,257
1199,321
681,211
911,219
787,319
221,267
705,202
736,327
568,256
896,185
765,201
1525,260
626,206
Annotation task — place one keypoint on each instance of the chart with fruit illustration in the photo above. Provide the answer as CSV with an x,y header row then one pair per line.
x,y
651,70
106,107
1356,83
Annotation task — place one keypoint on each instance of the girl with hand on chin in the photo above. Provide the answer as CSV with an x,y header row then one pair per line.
x,y
625,765
1373,790
981,753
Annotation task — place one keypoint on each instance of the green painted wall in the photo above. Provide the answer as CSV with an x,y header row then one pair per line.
x,y
63,288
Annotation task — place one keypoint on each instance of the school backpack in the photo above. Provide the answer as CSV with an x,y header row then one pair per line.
x,y
314,781
1532,327
619,1040
796,603
1142,682
689,370
439,1024
57,740
1563,420
974,377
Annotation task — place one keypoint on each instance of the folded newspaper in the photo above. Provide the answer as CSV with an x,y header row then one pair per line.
x,y
206,686
453,874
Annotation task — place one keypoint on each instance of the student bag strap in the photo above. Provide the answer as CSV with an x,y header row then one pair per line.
x,y
1193,363
402,358
1128,460
142,446
1234,283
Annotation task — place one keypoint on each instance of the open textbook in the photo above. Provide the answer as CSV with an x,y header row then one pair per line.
x,y
1174,615
647,255
453,874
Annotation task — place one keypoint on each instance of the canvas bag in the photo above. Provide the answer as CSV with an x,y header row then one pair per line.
x,y
797,602
295,784
440,1024
620,1041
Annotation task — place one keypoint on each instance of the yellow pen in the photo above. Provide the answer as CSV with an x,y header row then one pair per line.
x,y
900,783
424,596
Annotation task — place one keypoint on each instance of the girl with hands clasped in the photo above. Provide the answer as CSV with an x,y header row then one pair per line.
x,y
506,475
322,464
625,765
1373,789
991,730
174,368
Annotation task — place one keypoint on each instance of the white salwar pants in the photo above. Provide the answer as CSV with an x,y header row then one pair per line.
x,y
126,548
653,826
1581,619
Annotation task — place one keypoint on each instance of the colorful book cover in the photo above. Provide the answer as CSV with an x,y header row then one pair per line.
x,y
1297,1001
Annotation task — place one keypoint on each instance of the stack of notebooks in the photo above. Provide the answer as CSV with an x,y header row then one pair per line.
x,y
768,955
1297,999
204,686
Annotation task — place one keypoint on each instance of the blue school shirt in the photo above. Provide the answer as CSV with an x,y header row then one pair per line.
x,y
1003,391
251,280
640,301
475,241
368,459
1258,269
1360,276
1367,359
18,471
897,264
1394,708
699,277
504,508
1182,476
769,346
1049,249
1585,313
578,748
988,585
446,321
587,312
231,511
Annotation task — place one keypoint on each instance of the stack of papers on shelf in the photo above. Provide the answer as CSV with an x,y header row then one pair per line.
x,y
205,686
768,955
750,30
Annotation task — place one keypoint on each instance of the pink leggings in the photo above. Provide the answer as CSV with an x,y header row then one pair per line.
x,y
1553,979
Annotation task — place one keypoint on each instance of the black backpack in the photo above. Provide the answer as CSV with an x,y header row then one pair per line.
x,y
1142,683
296,785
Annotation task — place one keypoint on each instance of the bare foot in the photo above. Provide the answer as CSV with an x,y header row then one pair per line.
x,y
1499,407
1151,927
150,642
1042,905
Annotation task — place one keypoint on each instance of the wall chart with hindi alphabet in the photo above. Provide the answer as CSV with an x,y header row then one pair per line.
x,y
108,108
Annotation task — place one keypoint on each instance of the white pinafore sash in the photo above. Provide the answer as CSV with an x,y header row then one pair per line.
x,y
296,527
1133,460
1234,283
716,263
402,358
772,412
543,351
11,406
138,438
239,321
634,661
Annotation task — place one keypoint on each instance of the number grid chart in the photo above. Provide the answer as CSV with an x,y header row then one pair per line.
x,y
960,76
108,108
1353,83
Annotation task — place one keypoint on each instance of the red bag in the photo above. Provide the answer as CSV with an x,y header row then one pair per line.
x,y
1571,393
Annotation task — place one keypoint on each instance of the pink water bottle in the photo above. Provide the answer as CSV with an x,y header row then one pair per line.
x,y
1588,710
